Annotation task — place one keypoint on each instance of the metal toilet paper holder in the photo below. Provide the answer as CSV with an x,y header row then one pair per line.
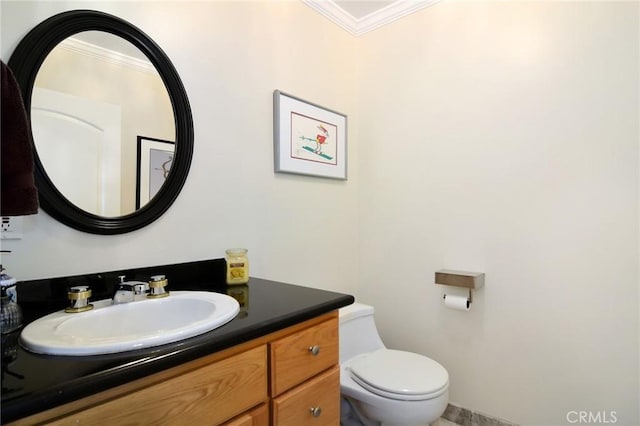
x,y
469,280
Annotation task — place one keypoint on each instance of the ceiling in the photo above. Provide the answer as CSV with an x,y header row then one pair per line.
x,y
361,16
360,9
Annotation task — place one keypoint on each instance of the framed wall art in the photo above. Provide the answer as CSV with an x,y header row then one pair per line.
x,y
155,157
308,139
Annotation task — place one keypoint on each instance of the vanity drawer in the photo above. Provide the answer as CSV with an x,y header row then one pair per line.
x,y
301,355
322,394
208,395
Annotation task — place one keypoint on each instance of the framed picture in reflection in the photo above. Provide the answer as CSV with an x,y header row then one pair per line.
x,y
155,157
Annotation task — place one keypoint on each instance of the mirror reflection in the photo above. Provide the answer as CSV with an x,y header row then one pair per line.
x,y
103,123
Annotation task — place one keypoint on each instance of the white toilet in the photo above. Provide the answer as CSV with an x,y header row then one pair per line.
x,y
384,386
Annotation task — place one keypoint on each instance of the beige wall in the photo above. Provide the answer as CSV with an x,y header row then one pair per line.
x,y
498,137
230,56
502,137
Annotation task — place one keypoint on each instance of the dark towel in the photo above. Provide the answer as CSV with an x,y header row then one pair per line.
x,y
19,195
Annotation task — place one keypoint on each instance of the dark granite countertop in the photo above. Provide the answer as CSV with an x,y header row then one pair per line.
x,y
32,383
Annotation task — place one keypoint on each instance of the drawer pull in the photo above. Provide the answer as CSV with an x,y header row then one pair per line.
x,y
315,411
315,350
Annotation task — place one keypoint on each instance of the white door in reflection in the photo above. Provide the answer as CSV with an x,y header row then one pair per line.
x,y
79,147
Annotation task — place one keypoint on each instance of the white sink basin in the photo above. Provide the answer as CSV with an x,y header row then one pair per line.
x,y
140,324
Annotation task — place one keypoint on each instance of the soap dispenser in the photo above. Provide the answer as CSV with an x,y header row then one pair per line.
x,y
11,314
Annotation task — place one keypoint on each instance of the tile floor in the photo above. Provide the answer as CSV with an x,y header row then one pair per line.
x,y
443,422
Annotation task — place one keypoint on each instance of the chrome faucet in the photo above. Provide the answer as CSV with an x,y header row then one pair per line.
x,y
126,292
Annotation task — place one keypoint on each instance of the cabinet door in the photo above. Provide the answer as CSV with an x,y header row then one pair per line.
x,y
209,395
256,417
301,355
316,402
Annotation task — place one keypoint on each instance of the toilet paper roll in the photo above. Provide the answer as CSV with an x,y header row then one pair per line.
x,y
459,303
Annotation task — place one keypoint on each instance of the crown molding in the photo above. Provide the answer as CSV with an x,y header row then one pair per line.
x,y
383,16
107,55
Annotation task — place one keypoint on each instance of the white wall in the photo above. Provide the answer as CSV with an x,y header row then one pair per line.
x,y
502,137
230,56
496,137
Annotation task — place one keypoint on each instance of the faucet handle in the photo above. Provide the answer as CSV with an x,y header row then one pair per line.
x,y
161,280
79,298
157,285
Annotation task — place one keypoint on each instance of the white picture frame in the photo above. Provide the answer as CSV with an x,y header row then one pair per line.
x,y
308,139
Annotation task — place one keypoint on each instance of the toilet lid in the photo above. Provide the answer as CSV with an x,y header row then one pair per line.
x,y
400,375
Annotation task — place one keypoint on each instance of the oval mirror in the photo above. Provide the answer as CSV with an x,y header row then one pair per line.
x,y
111,122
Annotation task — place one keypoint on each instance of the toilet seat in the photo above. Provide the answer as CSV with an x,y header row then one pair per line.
x,y
399,375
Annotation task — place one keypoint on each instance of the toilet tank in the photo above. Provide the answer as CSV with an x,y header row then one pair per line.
x,y
358,332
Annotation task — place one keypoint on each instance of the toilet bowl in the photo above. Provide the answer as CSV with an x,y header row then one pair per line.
x,y
384,386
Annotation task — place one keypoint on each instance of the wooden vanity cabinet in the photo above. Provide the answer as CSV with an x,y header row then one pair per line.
x,y
257,417
208,395
314,402
289,377
305,377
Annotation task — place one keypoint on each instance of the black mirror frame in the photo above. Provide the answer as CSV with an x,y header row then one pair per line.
x,y
25,63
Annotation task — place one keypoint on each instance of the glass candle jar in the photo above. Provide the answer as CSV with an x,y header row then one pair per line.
x,y
237,266
10,314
